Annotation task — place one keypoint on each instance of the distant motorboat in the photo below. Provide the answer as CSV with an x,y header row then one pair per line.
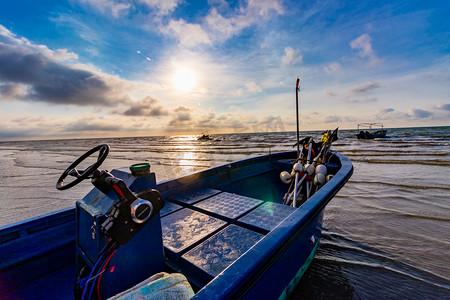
x,y
367,131
205,137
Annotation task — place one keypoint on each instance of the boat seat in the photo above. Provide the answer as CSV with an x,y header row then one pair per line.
x,y
214,255
169,208
185,229
202,239
159,286
266,217
189,198
227,206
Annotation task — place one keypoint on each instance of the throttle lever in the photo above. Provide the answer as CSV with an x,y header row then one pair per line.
x,y
131,212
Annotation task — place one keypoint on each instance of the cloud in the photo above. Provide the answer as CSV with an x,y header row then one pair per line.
x,y
181,116
183,109
370,100
226,27
208,118
217,26
333,119
365,88
163,7
188,35
253,87
147,107
330,93
11,40
115,8
8,133
85,31
12,91
105,126
420,113
291,56
49,81
32,72
27,126
241,18
6,33
333,67
364,43
443,107
46,77
269,124
92,126
391,114
190,120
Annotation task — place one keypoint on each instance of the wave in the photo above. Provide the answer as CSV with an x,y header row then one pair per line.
x,y
377,267
338,249
431,162
350,153
413,187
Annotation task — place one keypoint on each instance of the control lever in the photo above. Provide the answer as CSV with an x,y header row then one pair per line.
x,y
130,212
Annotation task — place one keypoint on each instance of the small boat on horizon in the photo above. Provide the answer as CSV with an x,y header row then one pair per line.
x,y
204,137
370,131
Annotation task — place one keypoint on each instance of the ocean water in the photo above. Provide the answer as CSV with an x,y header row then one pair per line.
x,y
386,234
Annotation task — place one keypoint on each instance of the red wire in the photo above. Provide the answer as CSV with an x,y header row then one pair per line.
x,y
101,274
118,191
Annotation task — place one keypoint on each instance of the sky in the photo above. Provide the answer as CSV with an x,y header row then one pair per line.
x,y
99,68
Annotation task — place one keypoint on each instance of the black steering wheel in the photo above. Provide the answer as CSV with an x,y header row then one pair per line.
x,y
82,175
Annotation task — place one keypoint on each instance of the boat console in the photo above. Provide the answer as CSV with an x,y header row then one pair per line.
x,y
113,215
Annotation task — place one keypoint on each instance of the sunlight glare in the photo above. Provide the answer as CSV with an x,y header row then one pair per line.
x,y
184,79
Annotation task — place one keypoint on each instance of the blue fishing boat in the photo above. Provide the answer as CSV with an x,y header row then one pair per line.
x,y
367,131
218,234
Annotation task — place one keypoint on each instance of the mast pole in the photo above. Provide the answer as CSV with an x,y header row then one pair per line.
x,y
297,88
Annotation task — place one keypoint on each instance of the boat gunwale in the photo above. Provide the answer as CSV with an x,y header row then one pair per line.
x,y
36,224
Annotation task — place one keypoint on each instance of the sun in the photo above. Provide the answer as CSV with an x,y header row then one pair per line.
x,y
184,79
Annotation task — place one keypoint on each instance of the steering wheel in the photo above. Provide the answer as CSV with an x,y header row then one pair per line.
x,y
82,175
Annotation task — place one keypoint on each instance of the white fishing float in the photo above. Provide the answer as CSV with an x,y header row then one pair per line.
x,y
285,177
319,179
309,169
321,169
298,167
